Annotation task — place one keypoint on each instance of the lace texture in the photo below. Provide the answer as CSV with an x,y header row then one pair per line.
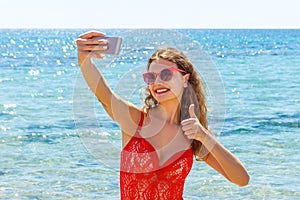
x,y
142,177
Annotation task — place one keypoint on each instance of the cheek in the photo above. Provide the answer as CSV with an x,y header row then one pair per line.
x,y
178,91
177,84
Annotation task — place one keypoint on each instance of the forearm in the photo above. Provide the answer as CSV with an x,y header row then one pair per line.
x,y
227,163
218,157
96,81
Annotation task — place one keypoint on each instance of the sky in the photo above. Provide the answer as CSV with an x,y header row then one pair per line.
x,y
149,14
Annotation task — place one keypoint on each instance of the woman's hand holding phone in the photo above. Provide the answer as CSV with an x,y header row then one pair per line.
x,y
94,44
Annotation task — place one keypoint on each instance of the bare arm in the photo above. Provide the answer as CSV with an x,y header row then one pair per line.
x,y
218,157
124,113
224,161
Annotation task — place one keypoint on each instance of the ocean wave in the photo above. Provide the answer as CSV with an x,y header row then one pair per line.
x,y
24,139
5,116
253,125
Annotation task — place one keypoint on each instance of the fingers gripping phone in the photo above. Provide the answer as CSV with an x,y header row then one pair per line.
x,y
114,44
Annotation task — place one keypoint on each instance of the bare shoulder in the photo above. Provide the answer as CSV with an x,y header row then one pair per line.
x,y
135,114
133,119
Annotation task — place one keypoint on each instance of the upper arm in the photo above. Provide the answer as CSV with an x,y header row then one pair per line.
x,y
124,113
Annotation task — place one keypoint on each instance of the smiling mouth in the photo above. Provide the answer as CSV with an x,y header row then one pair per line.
x,y
161,90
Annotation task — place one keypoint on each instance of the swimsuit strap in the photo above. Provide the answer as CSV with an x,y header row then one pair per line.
x,y
141,122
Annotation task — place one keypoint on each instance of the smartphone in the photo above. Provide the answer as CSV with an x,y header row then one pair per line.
x,y
114,44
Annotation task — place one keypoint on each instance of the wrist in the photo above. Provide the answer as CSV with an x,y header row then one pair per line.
x,y
84,61
208,140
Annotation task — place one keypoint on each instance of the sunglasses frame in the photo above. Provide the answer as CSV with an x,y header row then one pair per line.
x,y
159,73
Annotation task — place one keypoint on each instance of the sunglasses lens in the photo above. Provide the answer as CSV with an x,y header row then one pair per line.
x,y
166,75
149,78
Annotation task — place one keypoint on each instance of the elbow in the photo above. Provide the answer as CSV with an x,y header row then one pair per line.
x,y
244,181
240,181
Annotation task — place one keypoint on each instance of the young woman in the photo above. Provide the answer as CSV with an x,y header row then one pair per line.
x,y
161,139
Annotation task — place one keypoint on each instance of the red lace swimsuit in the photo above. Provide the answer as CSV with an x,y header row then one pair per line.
x,y
142,177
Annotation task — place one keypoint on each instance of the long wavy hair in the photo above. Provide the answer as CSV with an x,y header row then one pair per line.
x,y
193,94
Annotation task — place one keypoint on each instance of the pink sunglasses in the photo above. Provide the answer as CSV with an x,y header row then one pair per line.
x,y
165,75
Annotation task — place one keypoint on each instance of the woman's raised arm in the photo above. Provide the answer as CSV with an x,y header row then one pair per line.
x,y
124,113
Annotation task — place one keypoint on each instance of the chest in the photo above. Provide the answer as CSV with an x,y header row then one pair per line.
x,y
139,156
166,142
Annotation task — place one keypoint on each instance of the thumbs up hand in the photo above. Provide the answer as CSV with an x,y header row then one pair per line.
x,y
192,127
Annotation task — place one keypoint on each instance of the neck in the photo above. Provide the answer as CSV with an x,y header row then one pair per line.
x,y
170,111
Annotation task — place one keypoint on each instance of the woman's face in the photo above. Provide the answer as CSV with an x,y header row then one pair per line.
x,y
164,91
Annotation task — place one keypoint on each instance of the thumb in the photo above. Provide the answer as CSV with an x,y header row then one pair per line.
x,y
192,111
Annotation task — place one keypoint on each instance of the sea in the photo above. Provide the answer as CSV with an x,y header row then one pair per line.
x,y
57,142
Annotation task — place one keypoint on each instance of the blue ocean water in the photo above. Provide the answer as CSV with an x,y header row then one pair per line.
x,y
56,142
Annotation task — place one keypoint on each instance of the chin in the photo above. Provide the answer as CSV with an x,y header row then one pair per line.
x,y
166,98
169,96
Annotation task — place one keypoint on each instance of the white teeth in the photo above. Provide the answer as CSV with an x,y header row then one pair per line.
x,y
161,90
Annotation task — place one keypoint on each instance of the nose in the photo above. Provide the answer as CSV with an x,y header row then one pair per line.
x,y
158,80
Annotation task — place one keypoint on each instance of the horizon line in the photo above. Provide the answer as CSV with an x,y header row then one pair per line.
x,y
208,27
